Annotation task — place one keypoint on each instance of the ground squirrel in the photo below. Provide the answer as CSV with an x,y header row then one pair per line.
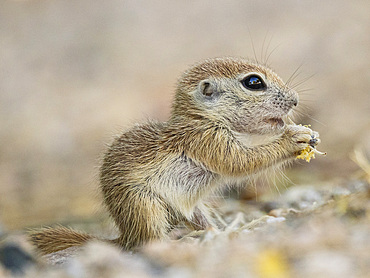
x,y
158,174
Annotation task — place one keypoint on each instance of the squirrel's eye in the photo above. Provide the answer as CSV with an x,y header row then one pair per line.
x,y
253,82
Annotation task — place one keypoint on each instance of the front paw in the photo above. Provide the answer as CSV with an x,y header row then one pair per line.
x,y
300,138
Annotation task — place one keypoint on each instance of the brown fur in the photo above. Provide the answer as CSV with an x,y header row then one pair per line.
x,y
50,240
157,175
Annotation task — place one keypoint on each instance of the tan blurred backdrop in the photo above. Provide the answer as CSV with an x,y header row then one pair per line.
x,y
74,73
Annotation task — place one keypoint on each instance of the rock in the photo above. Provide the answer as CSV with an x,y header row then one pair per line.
x,y
14,258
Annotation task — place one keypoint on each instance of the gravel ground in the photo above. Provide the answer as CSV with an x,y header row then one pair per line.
x,y
307,231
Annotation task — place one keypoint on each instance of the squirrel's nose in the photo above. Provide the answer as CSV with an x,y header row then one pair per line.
x,y
294,98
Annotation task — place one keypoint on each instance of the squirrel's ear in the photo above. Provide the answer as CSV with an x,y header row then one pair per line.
x,y
205,88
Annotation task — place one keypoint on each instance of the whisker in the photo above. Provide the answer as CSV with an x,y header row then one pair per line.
x,y
306,100
254,49
317,121
299,113
282,180
305,90
272,51
303,109
294,77
287,83
263,46
302,81
303,114
267,48
285,177
303,105
296,115
306,96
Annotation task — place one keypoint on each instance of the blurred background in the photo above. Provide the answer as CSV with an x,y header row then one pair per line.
x,y
75,73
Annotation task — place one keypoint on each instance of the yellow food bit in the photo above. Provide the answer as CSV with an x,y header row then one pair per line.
x,y
307,154
272,264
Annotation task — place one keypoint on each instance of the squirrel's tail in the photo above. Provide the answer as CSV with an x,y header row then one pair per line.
x,y
49,240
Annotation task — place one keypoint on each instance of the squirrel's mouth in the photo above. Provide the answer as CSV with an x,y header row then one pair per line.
x,y
278,122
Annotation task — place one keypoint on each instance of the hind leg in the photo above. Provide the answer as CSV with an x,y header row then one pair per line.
x,y
198,221
142,218
201,218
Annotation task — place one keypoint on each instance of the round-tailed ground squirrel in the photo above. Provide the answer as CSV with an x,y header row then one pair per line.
x,y
158,174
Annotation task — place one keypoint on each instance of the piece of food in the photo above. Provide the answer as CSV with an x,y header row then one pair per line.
x,y
309,153
306,154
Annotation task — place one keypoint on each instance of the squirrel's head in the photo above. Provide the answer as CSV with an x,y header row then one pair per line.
x,y
247,96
